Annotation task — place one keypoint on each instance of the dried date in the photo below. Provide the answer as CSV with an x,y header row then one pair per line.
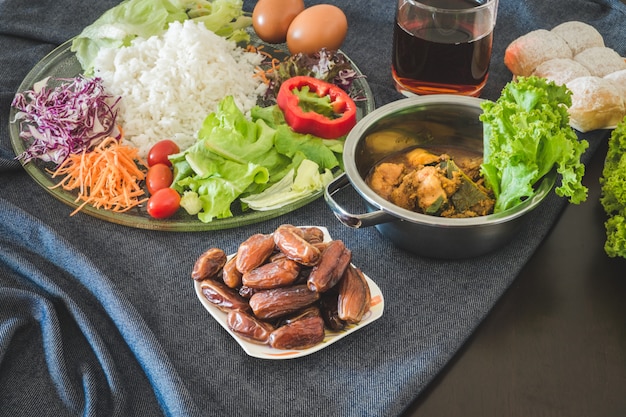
x,y
254,251
333,262
354,295
312,234
330,311
230,274
310,311
299,334
223,297
289,239
249,327
275,274
246,292
209,264
279,302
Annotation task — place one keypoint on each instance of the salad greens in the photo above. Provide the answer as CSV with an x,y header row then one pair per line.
x,y
527,134
293,187
240,157
326,65
121,24
613,194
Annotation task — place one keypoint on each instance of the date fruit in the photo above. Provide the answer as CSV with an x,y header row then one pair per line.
x,y
312,235
327,273
311,311
279,302
275,274
223,297
254,251
249,327
289,239
330,311
246,292
354,296
230,274
299,334
209,264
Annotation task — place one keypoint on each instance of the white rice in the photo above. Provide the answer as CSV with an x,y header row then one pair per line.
x,y
170,83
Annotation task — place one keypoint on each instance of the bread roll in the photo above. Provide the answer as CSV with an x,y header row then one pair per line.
x,y
525,53
595,104
574,54
561,70
618,78
601,61
579,36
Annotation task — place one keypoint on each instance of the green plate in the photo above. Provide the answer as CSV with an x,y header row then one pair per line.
x,y
62,63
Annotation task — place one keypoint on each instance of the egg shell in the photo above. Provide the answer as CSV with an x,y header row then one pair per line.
x,y
317,27
271,18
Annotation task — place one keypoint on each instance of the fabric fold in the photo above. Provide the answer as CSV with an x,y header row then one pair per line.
x,y
82,320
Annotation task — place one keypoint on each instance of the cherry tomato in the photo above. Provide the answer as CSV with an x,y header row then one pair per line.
x,y
164,203
160,151
158,176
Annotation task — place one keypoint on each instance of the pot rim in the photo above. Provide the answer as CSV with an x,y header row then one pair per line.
x,y
359,184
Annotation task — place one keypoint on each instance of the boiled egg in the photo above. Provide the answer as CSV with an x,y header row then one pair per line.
x,y
271,18
317,27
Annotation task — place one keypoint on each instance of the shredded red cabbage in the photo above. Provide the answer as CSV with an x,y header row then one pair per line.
x,y
64,120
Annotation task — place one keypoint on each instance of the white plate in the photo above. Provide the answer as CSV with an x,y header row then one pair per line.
x,y
266,352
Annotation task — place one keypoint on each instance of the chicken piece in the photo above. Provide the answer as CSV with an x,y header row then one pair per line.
x,y
405,194
386,178
431,195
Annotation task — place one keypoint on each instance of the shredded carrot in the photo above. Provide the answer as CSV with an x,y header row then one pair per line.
x,y
260,72
264,74
106,177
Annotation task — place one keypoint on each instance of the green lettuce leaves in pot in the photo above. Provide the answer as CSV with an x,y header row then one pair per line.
x,y
613,192
527,134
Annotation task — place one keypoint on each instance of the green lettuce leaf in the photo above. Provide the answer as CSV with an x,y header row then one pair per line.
x,y
293,187
324,152
236,157
613,192
217,192
527,134
130,19
321,151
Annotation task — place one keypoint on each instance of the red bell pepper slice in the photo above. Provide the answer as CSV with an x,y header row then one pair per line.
x,y
316,107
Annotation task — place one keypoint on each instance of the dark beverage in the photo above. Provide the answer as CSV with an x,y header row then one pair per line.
x,y
452,57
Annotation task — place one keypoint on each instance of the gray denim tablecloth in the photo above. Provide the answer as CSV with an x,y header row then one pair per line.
x,y
98,319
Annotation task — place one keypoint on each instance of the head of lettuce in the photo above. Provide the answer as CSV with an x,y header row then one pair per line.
x,y
526,135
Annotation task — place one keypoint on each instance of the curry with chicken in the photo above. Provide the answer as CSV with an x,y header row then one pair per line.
x,y
440,182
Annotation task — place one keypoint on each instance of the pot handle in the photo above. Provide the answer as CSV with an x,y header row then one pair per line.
x,y
355,221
